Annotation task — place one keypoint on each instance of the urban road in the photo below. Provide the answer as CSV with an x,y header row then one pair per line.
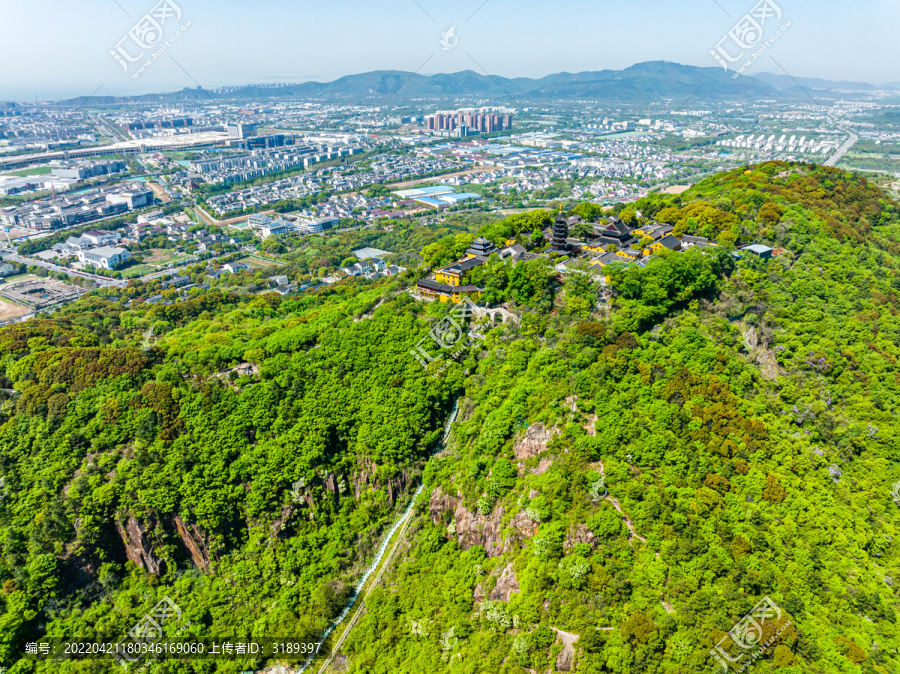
x,y
843,149
102,281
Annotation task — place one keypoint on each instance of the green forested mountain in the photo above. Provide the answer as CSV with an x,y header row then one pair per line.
x,y
623,484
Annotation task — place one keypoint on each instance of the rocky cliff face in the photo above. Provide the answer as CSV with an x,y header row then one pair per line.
x,y
476,529
141,539
366,478
507,585
194,541
581,534
139,543
533,444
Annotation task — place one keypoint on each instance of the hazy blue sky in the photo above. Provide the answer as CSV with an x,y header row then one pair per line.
x,y
54,48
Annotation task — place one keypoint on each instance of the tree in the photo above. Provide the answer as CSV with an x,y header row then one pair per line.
x,y
583,230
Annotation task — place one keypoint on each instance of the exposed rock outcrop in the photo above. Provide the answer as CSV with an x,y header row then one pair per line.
x,y
526,526
565,661
438,504
365,478
532,443
139,544
476,529
194,541
507,585
279,526
581,534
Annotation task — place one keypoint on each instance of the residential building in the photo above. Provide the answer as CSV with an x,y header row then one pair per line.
x,y
177,281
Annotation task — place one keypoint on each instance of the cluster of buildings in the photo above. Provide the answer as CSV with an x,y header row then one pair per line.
x,y
265,226
381,168
610,125
241,167
176,123
39,128
451,283
96,248
76,209
761,143
372,268
60,178
613,241
462,123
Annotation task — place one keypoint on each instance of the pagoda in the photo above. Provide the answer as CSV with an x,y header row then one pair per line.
x,y
481,247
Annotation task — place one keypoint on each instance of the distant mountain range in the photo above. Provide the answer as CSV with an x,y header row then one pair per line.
x,y
784,82
655,82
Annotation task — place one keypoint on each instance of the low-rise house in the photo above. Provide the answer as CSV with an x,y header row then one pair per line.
x,y
688,242
235,267
630,253
759,250
104,257
176,281
668,242
101,237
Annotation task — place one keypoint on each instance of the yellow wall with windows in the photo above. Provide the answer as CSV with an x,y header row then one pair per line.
x,y
458,297
454,297
447,279
652,249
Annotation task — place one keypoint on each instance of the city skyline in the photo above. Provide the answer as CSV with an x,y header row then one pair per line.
x,y
231,44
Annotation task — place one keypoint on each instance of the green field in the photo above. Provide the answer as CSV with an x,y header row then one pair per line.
x,y
24,173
